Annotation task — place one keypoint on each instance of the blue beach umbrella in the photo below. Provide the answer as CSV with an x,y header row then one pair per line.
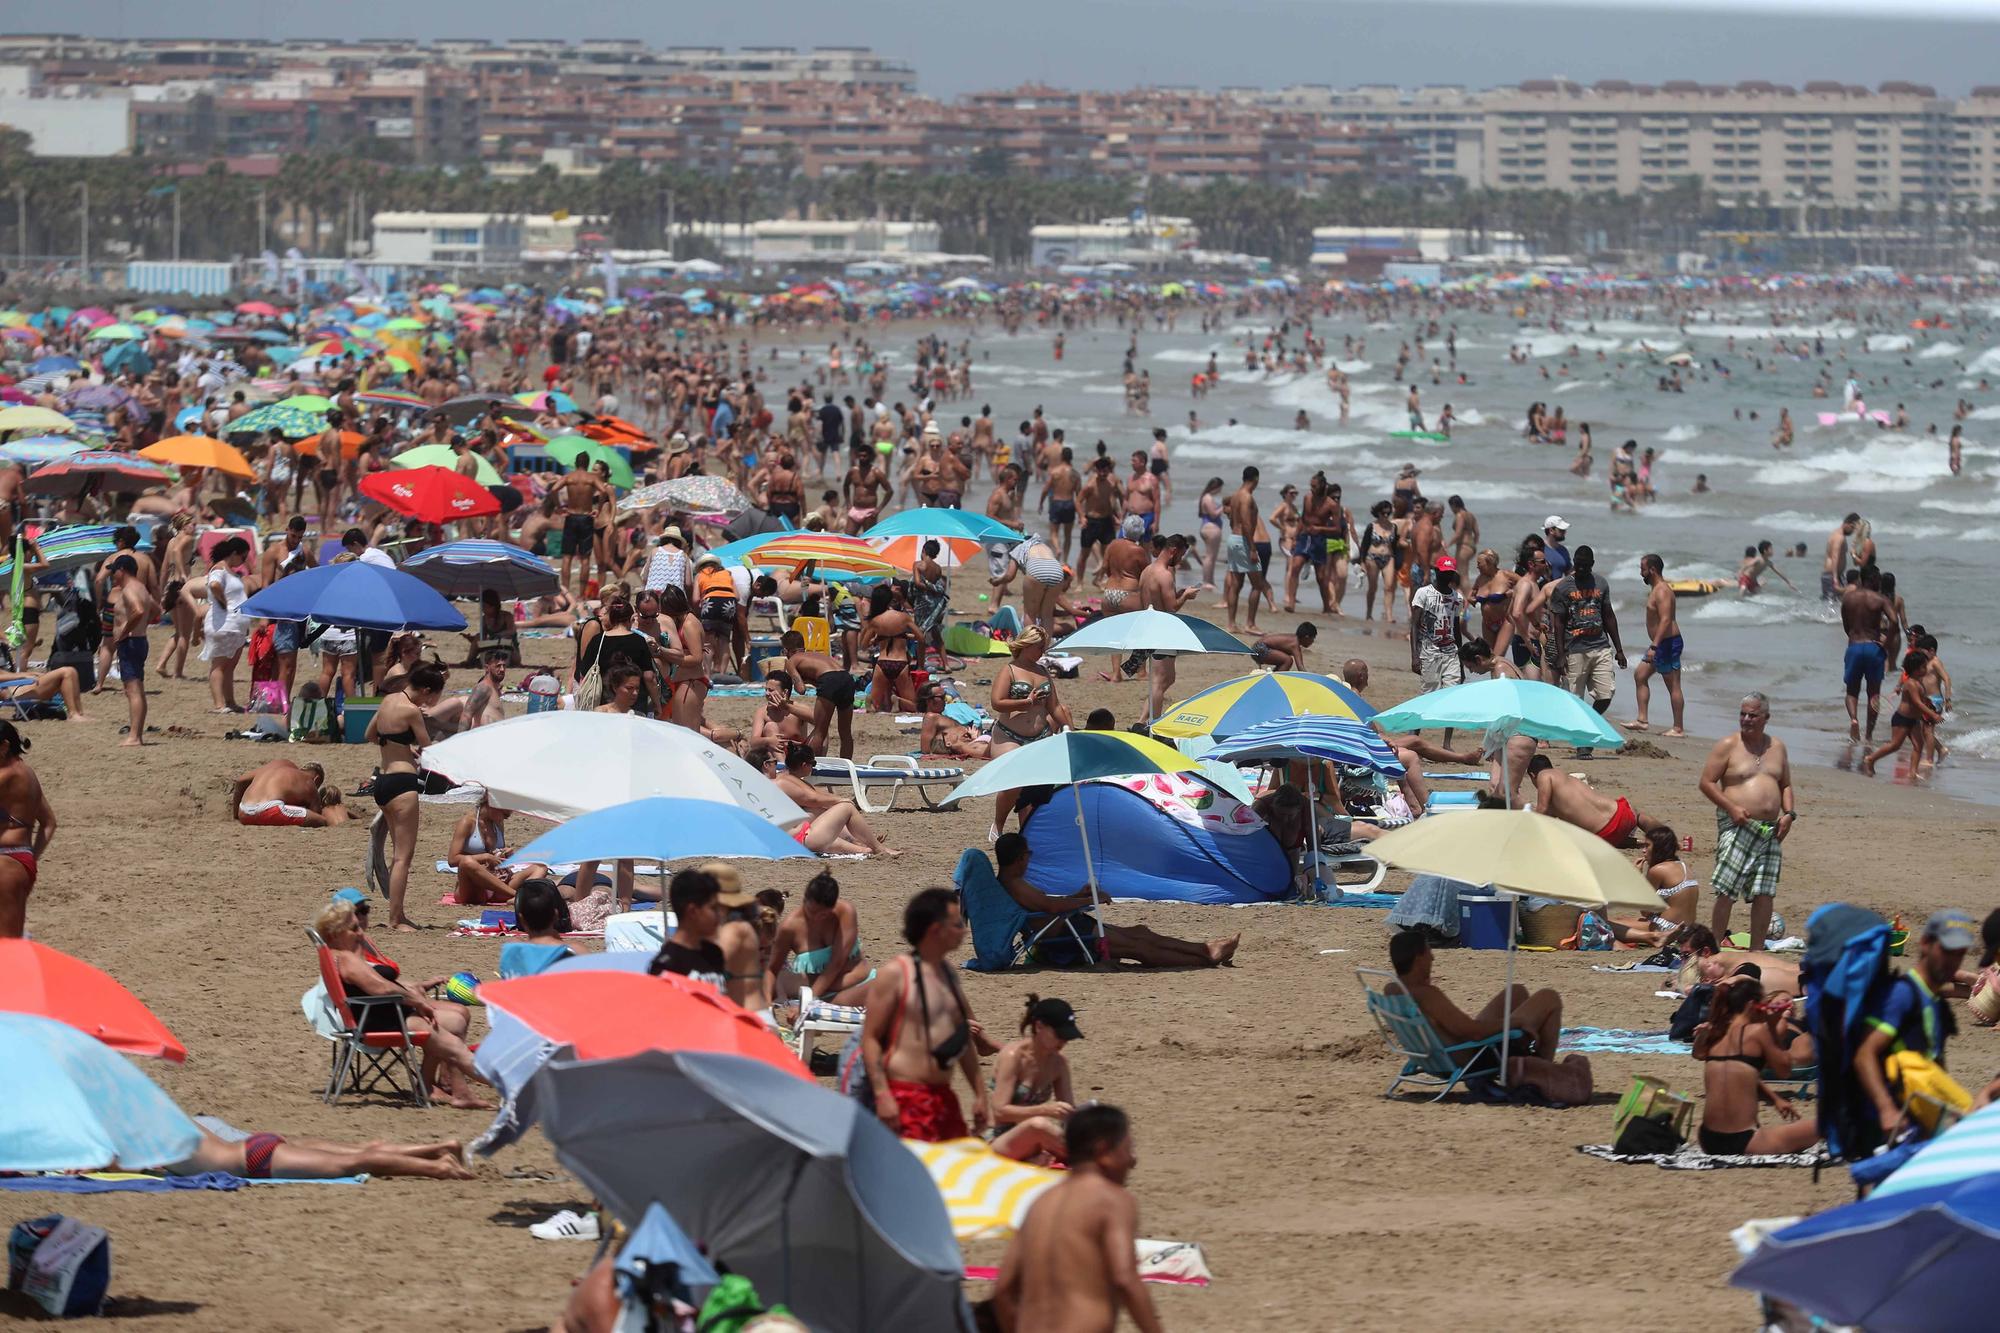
x,y
661,828
40,449
1339,740
943,523
469,568
1517,707
1153,631
74,1104
658,1240
357,595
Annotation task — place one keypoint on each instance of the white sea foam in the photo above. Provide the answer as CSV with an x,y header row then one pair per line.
x,y
1793,521
1676,434
1188,356
1887,463
1939,351
1986,363
1751,332
1559,344
1974,507
1890,342
1568,385
1984,414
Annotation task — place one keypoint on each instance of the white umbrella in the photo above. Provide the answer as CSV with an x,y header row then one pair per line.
x,y
559,765
1152,631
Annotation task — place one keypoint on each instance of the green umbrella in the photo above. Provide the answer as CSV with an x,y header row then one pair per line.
x,y
294,423
306,402
116,333
566,449
404,325
444,456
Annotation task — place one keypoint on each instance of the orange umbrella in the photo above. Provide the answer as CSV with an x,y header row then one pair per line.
x,y
350,444
199,451
35,979
430,494
607,1015
904,552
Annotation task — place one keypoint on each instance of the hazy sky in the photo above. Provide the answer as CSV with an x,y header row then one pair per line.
x,y
958,45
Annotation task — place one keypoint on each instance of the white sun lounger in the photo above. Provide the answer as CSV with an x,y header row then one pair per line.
x,y
894,771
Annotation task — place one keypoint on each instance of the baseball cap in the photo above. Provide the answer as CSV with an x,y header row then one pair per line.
x,y
1059,1016
1951,928
349,896
1445,565
1556,521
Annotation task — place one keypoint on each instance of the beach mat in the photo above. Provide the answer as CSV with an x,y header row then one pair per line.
x,y
1630,967
1693,1159
1635,1041
133,1182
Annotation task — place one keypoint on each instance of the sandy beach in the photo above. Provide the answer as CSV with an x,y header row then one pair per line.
x,y
1255,1089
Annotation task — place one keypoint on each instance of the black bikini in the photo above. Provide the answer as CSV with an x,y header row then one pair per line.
x,y
1730,1143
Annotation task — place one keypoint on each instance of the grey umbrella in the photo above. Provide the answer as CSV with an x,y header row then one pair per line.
x,y
799,1189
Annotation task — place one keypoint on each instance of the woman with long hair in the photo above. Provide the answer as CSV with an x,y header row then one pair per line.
x,y
400,728
1743,1037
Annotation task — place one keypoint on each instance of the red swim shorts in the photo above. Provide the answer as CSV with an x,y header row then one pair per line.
x,y
930,1111
1619,831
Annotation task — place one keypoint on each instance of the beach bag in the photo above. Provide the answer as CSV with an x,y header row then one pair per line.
x,y
312,721
269,696
1644,1135
1923,1089
61,1264
1693,1012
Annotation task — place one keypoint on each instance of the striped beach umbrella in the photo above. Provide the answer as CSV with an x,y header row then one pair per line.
x,y
1152,631
1969,1148
39,449
987,1195
294,423
1338,740
829,552
99,470
469,568
64,549
392,399
1236,705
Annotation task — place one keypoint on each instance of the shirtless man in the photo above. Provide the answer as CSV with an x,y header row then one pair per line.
x,y
485,706
288,555
1159,591
1748,778
1071,1268
133,607
1142,493
863,489
125,540
1561,796
282,794
780,719
1835,565
1059,495
915,999
1464,533
578,494
1538,1014
1869,619
1663,656
833,691
1101,501
1240,548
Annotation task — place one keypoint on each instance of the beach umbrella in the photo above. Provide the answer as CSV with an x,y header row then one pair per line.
x,y
65,549
1337,740
987,1195
128,358
596,1013
430,494
699,494
470,407
1517,852
797,1188
661,828
96,398
356,595
199,451
294,423
567,449
657,1242
444,456
469,568
99,471
25,418
392,399
1152,631
57,365
350,444
1913,1261
264,309
827,551
1264,696
1967,1150
943,523
306,402
75,1104
116,333
1502,707
561,764
552,400
39,449
905,552
35,979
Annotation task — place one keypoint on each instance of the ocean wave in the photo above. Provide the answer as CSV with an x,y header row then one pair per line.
x,y
1986,363
1984,414
1567,385
1765,608
1559,344
1676,434
1887,463
1972,507
1980,743
1749,332
1939,351
1890,342
1986,533
1187,356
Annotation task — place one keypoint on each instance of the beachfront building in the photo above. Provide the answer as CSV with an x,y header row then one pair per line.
x,y
424,240
64,122
1364,246
1140,240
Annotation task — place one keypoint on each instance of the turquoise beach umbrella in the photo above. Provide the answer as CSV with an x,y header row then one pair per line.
x,y
74,1104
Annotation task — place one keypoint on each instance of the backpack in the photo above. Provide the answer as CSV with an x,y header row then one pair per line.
x,y
1845,974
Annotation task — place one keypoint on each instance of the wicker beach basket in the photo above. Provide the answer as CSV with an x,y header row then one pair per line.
x,y
1549,925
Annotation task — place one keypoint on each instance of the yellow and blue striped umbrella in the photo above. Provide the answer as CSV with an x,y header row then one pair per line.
x,y
1076,756
1249,701
986,1194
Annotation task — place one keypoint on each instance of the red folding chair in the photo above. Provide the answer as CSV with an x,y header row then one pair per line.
x,y
370,1059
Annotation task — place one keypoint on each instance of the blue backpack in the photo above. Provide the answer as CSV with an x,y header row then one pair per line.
x,y
1844,974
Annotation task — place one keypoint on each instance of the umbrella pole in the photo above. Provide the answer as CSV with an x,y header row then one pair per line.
x,y
1507,1003
1312,822
1089,865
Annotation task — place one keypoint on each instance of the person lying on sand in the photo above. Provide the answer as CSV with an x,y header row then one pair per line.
x,y
1136,944
1678,888
282,794
1611,818
835,827
941,735
1778,975
1745,1035
1539,1015
274,1156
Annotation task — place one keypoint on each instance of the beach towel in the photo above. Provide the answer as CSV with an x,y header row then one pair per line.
x,y
1693,1159
137,1182
1590,1041
1630,967
822,1012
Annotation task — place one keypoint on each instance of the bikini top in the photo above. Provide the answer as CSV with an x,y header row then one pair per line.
x,y
1738,1058
1020,689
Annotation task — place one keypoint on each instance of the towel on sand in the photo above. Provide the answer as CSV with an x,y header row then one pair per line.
x,y
1637,1041
132,1182
1693,1159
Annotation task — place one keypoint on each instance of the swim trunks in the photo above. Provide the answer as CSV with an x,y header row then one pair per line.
x,y
258,1150
271,814
132,657
1747,859
930,1112
1237,551
1097,531
578,532
836,688
1618,832
1864,661
1062,513
1263,557
1309,547
1666,655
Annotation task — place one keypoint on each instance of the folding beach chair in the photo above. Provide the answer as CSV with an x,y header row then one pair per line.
x,y
1429,1062
18,703
369,1059
894,771
1003,932
816,1018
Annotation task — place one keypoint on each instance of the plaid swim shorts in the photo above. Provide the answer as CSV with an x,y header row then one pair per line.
x,y
1747,860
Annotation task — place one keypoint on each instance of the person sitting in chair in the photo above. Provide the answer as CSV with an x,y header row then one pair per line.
x,y
62,681
1137,944
1537,1016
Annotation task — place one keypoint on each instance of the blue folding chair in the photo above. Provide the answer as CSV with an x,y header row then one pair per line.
x,y
1429,1062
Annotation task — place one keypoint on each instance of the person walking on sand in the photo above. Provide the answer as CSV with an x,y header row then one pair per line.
x,y
1074,1263
1663,655
29,826
919,1029
1240,549
133,607
1748,778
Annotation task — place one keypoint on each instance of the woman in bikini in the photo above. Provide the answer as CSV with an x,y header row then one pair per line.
x,y
892,630
1381,547
1741,1039
1025,708
1491,591
1678,889
1913,714
1209,506
1032,1096
681,649
27,823
603,522
478,846
399,727
941,735
818,948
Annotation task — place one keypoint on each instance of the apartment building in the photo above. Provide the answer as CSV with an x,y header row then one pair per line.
x,y
1831,143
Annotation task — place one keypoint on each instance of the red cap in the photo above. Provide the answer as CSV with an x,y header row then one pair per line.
x,y
1446,565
